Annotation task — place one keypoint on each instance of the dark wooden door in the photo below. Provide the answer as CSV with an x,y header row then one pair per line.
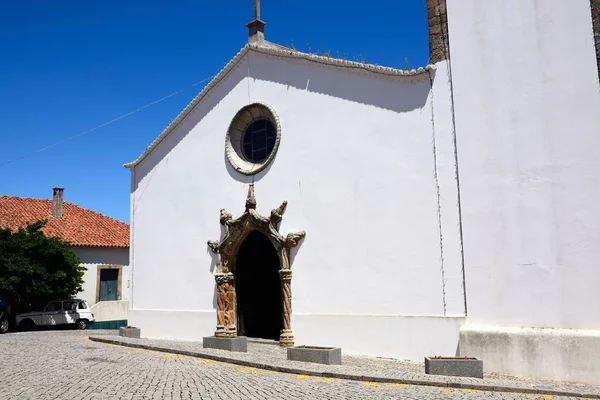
x,y
108,284
258,288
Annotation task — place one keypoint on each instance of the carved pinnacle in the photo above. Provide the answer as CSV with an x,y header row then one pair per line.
x,y
292,239
277,213
251,200
225,216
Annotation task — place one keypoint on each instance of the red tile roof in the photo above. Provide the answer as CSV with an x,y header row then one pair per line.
x,y
79,226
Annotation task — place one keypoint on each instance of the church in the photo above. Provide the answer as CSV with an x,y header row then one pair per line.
x,y
449,209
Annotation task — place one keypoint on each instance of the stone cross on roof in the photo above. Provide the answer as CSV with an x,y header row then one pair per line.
x,y
257,9
256,28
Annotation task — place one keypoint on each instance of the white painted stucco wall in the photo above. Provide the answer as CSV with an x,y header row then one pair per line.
x,y
110,310
91,257
356,164
527,107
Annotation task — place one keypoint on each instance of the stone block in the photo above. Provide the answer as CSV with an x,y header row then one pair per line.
x,y
239,343
321,355
454,366
133,333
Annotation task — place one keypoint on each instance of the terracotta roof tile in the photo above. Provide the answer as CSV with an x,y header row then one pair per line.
x,y
79,226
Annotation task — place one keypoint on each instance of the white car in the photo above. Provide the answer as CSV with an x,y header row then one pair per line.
x,y
61,312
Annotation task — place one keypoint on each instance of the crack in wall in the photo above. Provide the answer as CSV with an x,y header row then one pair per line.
x,y
456,168
248,78
439,50
457,178
595,8
437,189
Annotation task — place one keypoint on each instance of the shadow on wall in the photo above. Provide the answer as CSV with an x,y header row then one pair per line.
x,y
213,264
294,250
246,179
399,94
100,255
395,93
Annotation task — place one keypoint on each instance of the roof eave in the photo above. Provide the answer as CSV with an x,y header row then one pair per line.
x,y
195,101
112,246
338,62
275,51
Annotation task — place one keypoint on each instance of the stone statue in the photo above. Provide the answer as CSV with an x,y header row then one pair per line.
x,y
292,239
225,216
214,246
230,316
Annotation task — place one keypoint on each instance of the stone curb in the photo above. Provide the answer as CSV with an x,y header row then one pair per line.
x,y
299,371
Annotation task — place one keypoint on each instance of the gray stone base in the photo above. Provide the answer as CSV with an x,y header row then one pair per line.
x,y
239,343
545,353
133,333
451,366
321,355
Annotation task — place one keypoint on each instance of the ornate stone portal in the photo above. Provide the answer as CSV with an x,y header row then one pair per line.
x,y
236,231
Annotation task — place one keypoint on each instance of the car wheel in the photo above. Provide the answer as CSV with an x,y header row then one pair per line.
x,y
4,324
27,325
81,324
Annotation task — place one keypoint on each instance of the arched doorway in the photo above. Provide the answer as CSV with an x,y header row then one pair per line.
x,y
254,275
258,287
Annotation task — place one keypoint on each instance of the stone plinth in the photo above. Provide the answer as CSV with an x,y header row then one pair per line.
x,y
133,333
454,366
321,355
239,343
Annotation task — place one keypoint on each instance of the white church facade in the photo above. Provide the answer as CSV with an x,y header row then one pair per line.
x,y
400,213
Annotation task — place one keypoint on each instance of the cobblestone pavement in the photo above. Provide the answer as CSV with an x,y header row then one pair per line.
x,y
67,365
272,355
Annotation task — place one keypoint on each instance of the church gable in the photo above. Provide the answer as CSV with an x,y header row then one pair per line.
x,y
331,136
265,50
368,132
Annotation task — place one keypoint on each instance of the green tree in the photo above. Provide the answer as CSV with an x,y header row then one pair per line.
x,y
35,268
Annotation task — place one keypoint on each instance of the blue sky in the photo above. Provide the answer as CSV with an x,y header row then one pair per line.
x,y
68,66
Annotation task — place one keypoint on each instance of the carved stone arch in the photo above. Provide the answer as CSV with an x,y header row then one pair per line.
x,y
236,231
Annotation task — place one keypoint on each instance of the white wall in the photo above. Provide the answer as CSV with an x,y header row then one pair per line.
x,y
90,258
110,310
527,105
391,336
356,164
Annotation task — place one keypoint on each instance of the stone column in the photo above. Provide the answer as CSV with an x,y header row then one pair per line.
x,y
226,305
286,339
